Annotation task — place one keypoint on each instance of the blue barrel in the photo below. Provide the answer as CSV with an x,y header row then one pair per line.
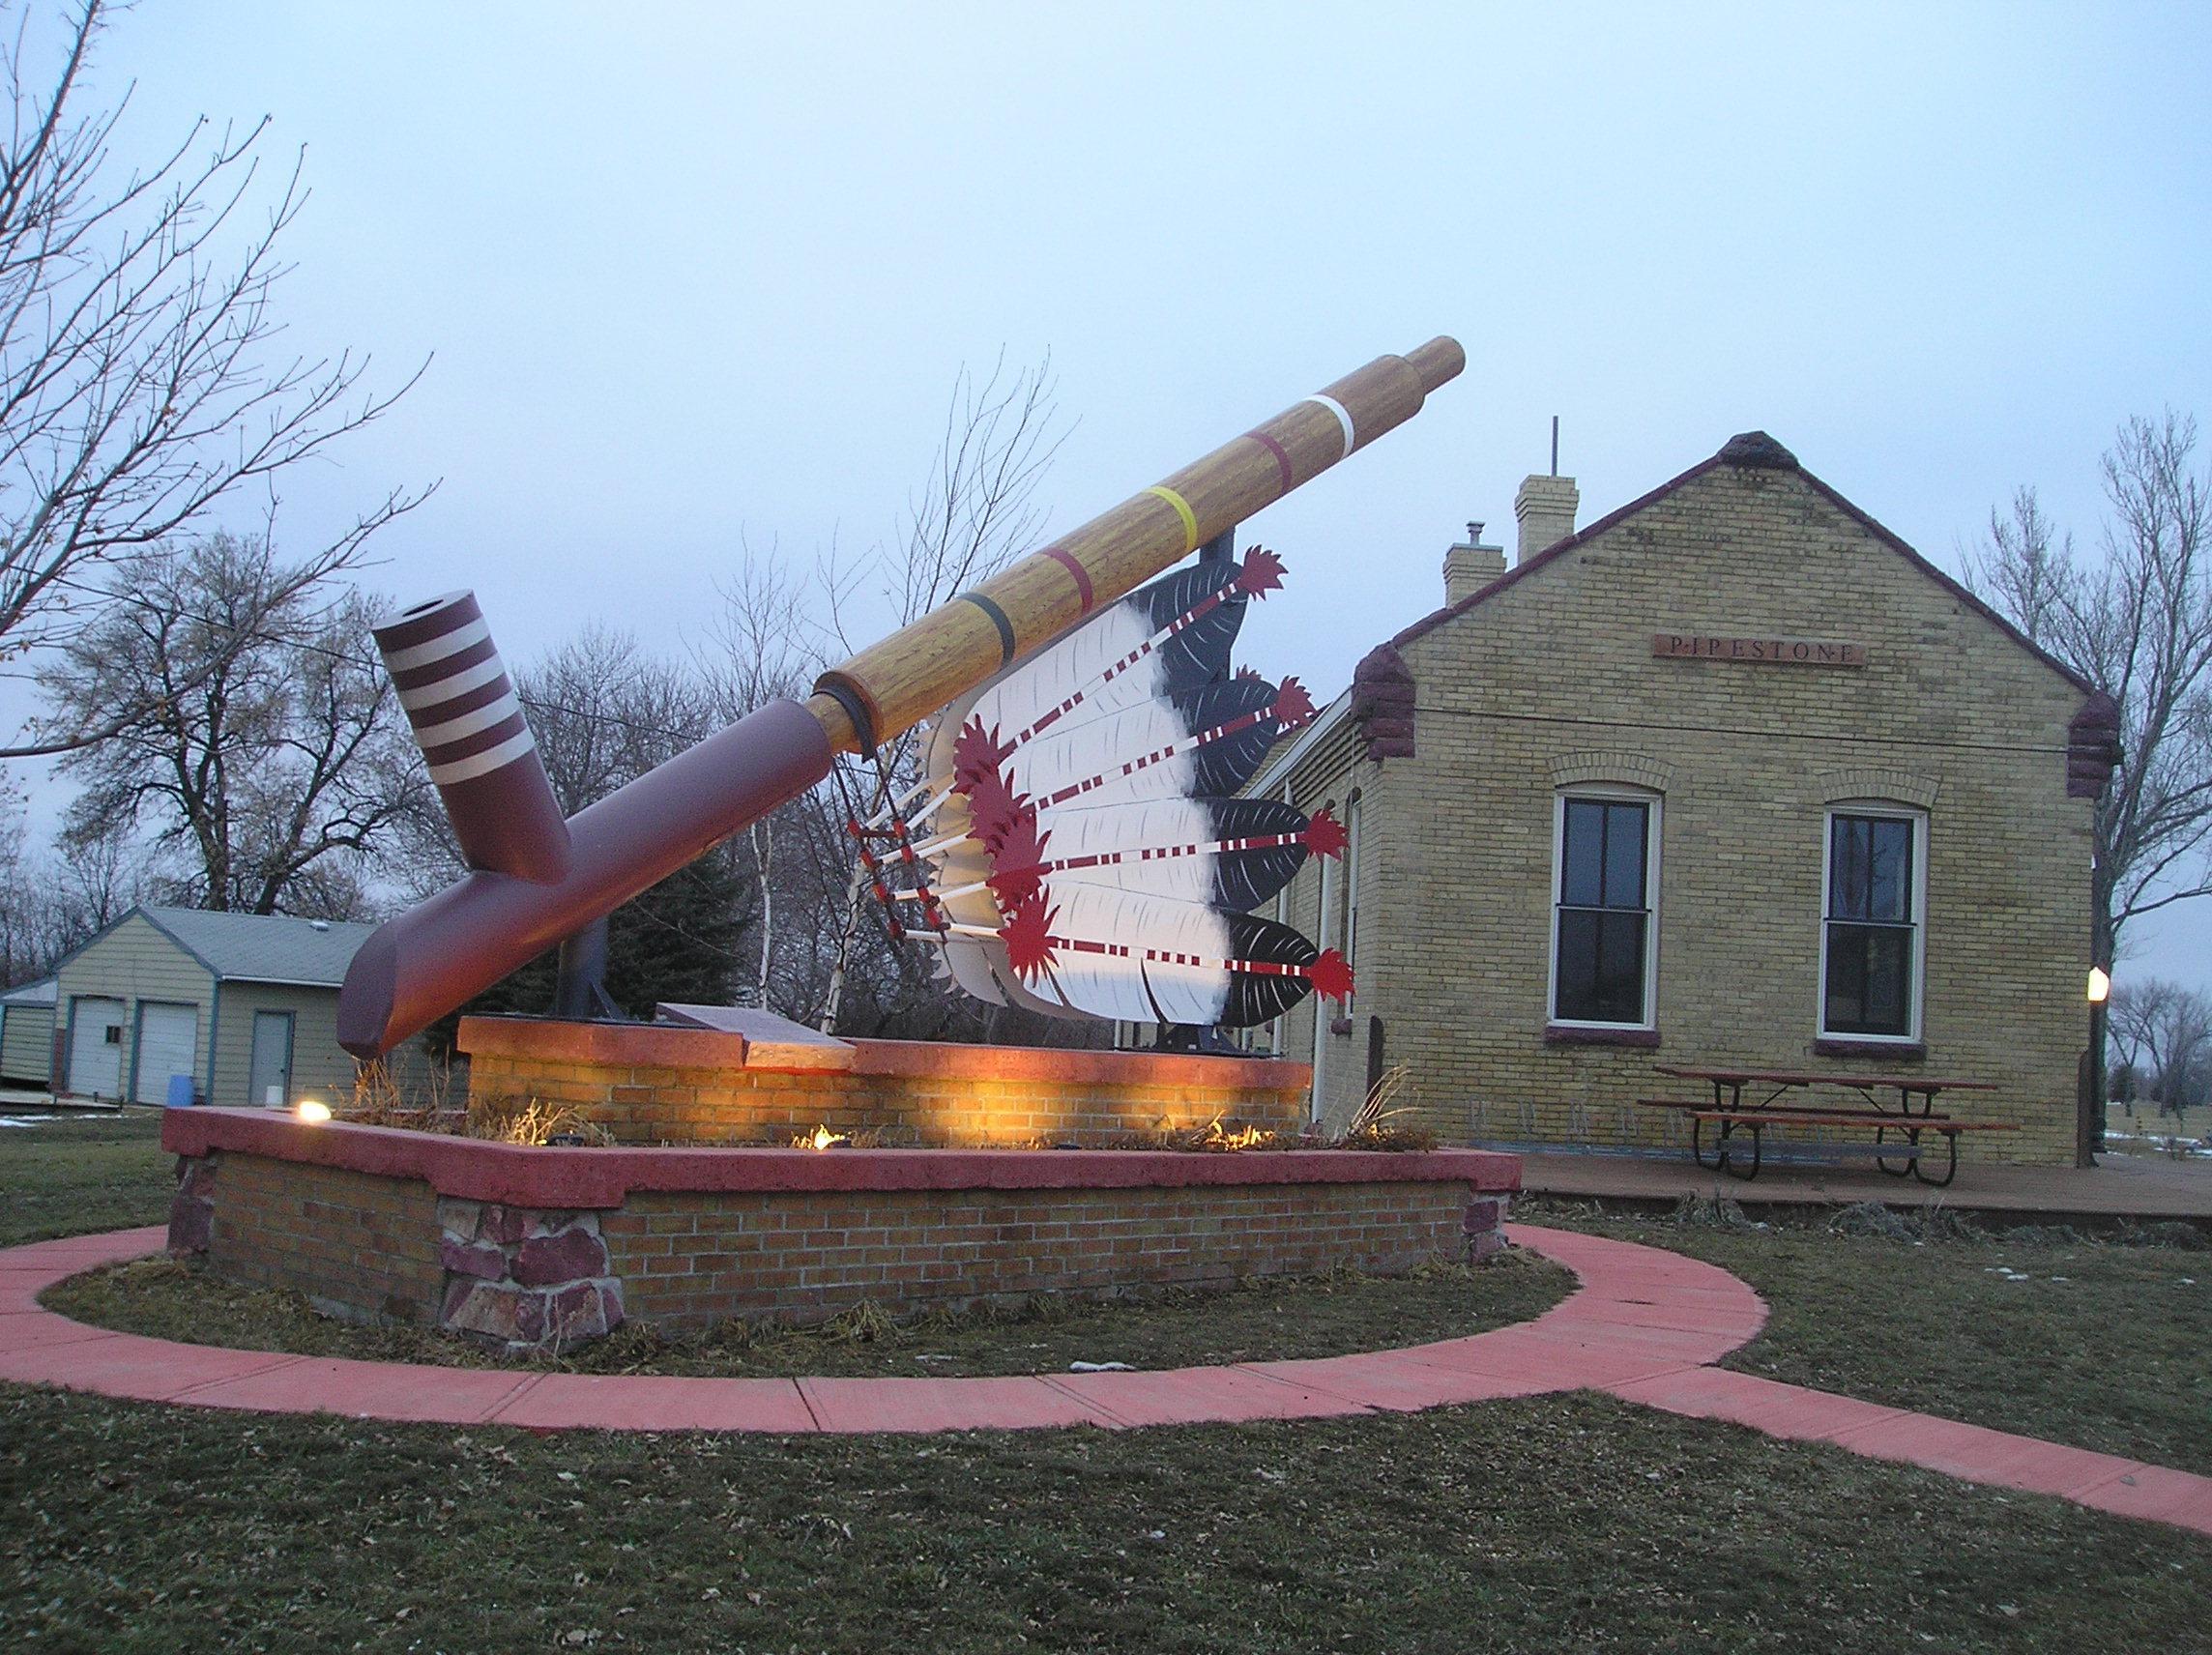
x,y
181,1092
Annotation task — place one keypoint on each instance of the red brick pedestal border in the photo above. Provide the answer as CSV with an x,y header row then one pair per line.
x,y
548,1247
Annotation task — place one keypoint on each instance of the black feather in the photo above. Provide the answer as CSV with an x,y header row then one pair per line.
x,y
1226,765
1254,997
1199,654
1244,880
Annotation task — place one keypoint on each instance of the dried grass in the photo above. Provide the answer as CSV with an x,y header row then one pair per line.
x,y
508,1120
379,1101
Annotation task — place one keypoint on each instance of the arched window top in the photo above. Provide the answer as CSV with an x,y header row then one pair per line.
x,y
1614,767
1870,783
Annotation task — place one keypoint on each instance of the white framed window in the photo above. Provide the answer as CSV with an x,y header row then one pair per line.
x,y
1605,917
1874,884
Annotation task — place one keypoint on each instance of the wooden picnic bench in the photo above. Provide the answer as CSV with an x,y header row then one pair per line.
x,y
1736,1120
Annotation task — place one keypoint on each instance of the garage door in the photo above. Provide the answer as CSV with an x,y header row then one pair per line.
x,y
96,1048
169,1040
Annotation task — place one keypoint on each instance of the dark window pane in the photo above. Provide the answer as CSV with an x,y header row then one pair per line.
x,y
1581,860
1621,968
1847,978
1601,967
1888,978
1847,856
1870,868
1870,977
1577,996
1624,856
1890,871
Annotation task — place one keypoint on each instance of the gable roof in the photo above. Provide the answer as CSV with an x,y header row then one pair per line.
x,y
45,991
1750,450
1383,691
261,947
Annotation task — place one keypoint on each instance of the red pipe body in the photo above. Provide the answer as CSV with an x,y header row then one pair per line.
x,y
440,953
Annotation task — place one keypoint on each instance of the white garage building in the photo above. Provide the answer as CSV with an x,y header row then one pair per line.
x,y
27,1034
243,1004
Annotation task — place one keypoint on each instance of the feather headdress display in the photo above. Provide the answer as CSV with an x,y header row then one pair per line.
x,y
1090,855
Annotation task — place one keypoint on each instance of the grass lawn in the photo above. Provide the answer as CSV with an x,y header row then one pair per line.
x,y
1566,1523
82,1173
2093,1343
1557,1524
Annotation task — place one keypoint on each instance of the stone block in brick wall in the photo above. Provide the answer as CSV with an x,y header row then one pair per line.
x,y
534,1319
192,1211
525,1278
1485,1227
564,1255
485,1259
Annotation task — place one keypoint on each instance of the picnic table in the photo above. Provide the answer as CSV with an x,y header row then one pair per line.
x,y
1736,1120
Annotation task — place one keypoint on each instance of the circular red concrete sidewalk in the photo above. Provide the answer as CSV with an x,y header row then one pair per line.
x,y
1645,1324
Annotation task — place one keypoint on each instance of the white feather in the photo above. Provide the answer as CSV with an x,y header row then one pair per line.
x,y
1130,986
1151,825
1030,688
1097,753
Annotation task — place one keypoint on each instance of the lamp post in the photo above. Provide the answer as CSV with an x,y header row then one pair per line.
x,y
2100,991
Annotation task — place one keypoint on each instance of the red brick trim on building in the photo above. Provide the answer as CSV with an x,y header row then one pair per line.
x,y
1383,705
1890,1051
1575,1034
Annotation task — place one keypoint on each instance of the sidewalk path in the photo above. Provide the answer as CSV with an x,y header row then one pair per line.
x,y
1645,1325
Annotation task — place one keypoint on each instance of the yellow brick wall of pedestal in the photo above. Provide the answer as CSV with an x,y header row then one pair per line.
x,y
649,1105
1551,679
361,1247
693,1260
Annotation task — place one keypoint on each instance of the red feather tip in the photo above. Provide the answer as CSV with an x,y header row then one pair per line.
x,y
1017,859
1262,574
1331,975
976,755
993,811
1028,936
1325,835
1294,707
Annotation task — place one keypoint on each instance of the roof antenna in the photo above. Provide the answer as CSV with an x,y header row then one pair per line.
x,y
1554,445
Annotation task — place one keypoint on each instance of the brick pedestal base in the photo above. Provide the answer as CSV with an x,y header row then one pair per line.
x,y
547,1248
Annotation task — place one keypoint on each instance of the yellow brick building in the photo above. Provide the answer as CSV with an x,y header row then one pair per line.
x,y
1731,776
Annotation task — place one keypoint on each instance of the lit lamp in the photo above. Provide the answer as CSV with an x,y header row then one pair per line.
x,y
312,1111
2100,991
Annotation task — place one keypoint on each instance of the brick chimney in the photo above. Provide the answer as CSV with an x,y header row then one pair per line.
x,y
1471,565
1545,509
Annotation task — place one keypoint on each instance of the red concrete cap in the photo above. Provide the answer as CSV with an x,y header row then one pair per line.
x,y
524,1176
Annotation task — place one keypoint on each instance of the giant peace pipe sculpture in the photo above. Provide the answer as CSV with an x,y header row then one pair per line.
x,y
539,879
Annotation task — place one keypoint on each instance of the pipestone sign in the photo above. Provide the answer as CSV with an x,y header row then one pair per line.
x,y
1770,652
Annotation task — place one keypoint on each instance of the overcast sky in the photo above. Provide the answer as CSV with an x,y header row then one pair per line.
x,y
692,275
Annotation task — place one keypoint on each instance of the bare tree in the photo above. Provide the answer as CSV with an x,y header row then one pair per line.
x,y
977,511
2138,624
140,385
265,749
50,904
762,645
605,713
2168,1035
2134,1011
